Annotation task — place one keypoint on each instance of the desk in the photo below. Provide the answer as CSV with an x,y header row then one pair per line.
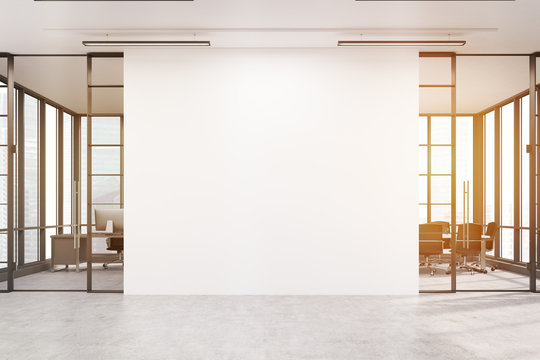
x,y
65,253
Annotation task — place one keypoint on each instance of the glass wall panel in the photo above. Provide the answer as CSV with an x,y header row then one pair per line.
x,y
422,130
3,252
489,168
464,165
105,130
3,100
422,189
483,83
31,184
441,189
524,178
3,179
422,214
106,160
50,173
507,179
441,213
3,130
422,159
107,272
84,171
441,130
68,176
43,143
106,189
441,159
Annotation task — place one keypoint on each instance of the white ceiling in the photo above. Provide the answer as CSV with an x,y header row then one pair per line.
x,y
28,26
60,27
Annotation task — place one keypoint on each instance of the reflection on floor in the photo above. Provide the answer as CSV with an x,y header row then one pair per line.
x,y
493,280
102,279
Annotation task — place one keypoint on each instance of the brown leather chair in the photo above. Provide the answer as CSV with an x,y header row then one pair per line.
x,y
431,243
471,246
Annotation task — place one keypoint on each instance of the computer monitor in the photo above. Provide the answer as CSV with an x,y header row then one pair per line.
x,y
116,215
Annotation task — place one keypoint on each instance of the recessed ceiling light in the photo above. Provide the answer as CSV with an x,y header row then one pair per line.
x,y
146,43
403,43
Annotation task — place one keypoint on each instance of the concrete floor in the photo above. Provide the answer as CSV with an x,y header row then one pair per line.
x,y
113,326
102,279
493,280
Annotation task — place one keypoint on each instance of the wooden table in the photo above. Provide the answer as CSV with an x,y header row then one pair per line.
x,y
65,252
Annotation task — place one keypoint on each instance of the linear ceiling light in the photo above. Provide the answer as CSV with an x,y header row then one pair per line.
x,y
146,43
436,0
404,43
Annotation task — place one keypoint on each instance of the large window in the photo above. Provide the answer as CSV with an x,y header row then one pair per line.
x,y
3,174
507,181
506,132
524,117
31,180
68,176
435,166
489,167
51,118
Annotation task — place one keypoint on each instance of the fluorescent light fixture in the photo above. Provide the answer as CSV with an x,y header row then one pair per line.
x,y
416,43
146,43
436,0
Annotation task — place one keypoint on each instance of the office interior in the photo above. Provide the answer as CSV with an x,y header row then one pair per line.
x,y
473,164
478,105
484,151
53,161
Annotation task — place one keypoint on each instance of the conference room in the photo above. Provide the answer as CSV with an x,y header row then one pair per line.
x,y
475,196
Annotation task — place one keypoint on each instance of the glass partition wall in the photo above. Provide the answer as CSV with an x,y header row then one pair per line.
x,y
50,175
492,162
3,177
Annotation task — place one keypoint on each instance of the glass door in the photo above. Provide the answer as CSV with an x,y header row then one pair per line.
x,y
102,140
491,154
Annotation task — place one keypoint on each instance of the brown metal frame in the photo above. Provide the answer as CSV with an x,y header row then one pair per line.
x,y
453,115
90,203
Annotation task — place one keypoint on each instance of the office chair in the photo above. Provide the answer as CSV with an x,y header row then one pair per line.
x,y
445,230
471,246
430,243
115,244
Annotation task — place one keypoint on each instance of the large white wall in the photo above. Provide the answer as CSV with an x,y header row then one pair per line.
x,y
277,171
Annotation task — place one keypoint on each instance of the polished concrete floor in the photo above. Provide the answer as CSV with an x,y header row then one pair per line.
x,y
114,326
68,279
493,280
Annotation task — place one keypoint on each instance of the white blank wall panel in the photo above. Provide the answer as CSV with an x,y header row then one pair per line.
x,y
278,171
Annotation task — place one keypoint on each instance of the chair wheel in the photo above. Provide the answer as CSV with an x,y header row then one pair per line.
x,y
485,271
105,266
493,268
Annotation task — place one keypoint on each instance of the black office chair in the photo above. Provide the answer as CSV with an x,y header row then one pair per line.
x,y
430,243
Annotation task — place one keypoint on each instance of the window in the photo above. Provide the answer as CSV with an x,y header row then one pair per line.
x,y
51,117
507,180
31,180
489,189
524,178
435,166
67,178
464,167
3,174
